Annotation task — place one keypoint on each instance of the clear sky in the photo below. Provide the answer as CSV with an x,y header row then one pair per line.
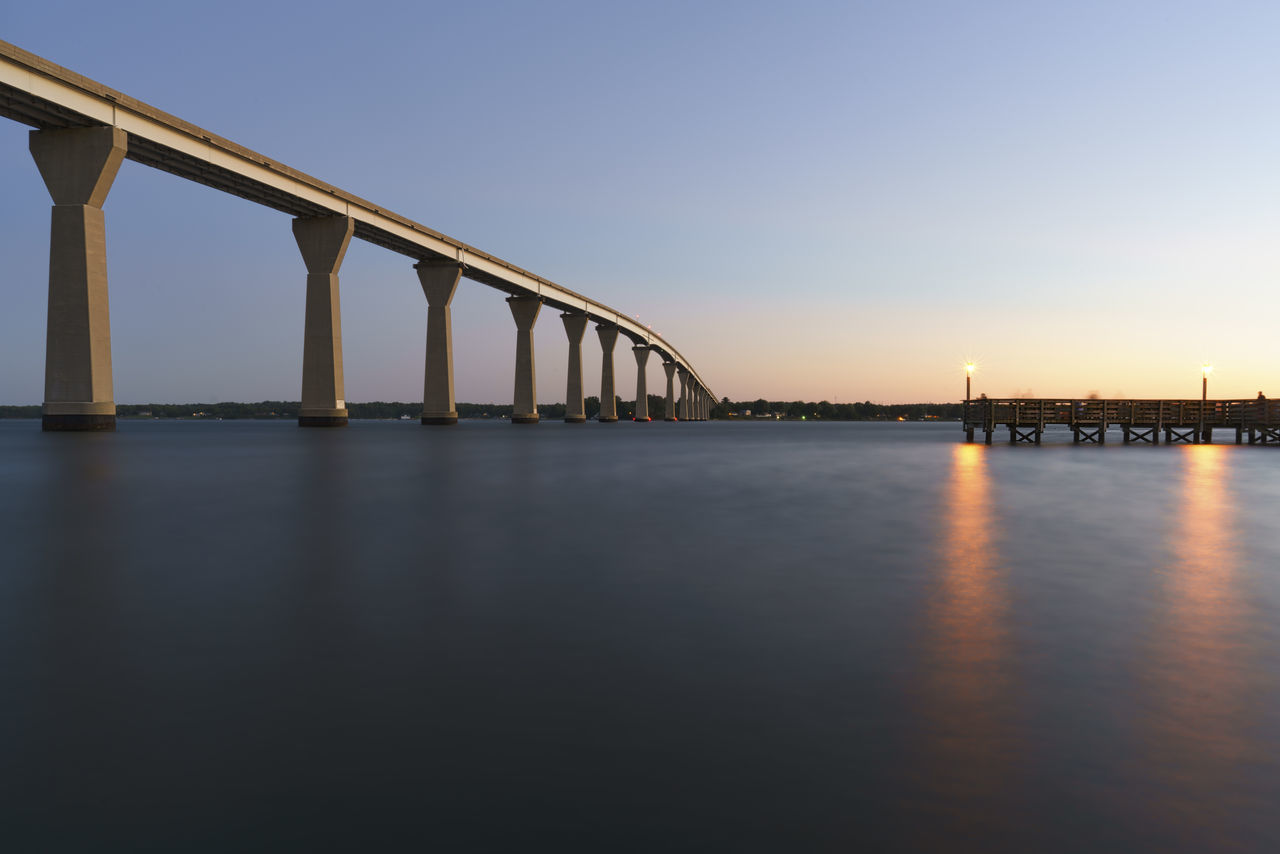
x,y
838,201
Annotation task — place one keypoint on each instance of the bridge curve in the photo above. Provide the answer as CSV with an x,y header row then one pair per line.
x,y
49,97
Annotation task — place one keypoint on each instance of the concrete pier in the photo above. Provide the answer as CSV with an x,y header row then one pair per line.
x,y
525,311
78,166
439,281
323,243
642,393
684,393
608,334
670,368
575,324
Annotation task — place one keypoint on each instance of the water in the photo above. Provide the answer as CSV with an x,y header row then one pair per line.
x,y
783,636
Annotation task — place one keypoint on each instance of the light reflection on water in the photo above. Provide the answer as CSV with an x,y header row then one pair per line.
x,y
1199,729
971,743
1190,692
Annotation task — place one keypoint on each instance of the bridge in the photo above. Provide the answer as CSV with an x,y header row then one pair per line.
x,y
1139,421
84,130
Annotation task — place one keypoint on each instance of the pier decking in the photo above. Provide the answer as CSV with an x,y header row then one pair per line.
x,y
1140,421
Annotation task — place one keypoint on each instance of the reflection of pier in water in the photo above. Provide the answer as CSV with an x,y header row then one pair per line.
x,y
1140,421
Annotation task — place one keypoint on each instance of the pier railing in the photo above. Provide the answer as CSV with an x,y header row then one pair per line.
x,y
1138,420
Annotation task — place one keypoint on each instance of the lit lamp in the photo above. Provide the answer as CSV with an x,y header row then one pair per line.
x,y
1205,432
968,382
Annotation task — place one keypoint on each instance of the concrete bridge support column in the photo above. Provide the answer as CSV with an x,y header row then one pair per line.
x,y
525,311
670,368
702,404
608,398
439,280
642,391
78,166
323,243
574,326
684,394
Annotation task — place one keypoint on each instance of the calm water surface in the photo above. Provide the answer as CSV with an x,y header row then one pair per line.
x,y
241,635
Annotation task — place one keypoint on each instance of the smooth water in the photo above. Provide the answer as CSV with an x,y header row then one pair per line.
x,y
776,636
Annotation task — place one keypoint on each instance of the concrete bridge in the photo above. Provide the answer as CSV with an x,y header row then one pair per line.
x,y
84,130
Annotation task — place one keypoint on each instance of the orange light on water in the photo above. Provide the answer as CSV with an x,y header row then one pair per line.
x,y
966,686
1202,722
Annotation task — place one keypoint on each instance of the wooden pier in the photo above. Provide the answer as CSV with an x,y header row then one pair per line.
x,y
1140,421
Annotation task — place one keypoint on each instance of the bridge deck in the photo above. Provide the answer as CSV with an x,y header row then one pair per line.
x,y
44,95
1138,420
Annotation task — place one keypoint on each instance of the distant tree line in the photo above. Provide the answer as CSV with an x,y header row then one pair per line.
x,y
826,411
376,409
823,410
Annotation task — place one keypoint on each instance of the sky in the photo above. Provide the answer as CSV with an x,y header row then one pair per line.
x,y
841,201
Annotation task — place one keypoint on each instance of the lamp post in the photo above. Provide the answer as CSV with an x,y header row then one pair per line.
x,y
1206,433
968,385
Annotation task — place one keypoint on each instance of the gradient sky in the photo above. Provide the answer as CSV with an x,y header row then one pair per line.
x,y
838,201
